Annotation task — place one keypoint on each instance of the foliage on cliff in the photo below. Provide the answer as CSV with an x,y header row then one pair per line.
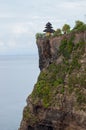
x,y
60,86
67,79
78,27
58,100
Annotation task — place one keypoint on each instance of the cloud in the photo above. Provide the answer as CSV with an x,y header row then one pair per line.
x,y
21,20
11,44
1,44
19,28
5,15
73,5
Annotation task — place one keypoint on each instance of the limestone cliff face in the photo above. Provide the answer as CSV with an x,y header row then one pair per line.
x,y
48,48
58,100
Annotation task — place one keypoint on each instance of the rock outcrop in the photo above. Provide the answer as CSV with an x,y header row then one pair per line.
x,y
58,100
48,47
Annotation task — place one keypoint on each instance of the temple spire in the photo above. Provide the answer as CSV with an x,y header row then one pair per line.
x,y
48,29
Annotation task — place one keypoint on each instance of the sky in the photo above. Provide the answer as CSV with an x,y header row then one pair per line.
x,y
20,20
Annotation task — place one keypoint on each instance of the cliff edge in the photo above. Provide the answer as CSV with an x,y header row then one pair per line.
x,y
58,100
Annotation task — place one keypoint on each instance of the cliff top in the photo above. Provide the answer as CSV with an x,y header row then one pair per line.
x,y
66,29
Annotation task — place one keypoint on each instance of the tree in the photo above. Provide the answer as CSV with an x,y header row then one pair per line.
x,y
66,28
57,32
79,26
40,35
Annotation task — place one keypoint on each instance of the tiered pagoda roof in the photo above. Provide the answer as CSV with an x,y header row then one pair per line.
x,y
49,28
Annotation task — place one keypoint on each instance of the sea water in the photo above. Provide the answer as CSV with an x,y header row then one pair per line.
x,y
18,74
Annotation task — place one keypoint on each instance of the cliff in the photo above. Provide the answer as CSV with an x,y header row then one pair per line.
x,y
58,100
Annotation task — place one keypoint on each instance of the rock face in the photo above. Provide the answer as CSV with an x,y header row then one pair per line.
x,y
58,100
48,48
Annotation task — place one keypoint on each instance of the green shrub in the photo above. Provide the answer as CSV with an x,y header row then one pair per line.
x,y
40,35
62,90
66,28
57,32
66,47
79,26
81,97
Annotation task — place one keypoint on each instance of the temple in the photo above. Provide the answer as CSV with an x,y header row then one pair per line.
x,y
48,29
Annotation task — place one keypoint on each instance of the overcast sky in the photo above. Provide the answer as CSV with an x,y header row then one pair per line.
x,y
20,20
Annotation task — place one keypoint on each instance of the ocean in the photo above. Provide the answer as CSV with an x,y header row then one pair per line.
x,y
18,74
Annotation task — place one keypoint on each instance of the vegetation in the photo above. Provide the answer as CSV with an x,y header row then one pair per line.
x,y
57,32
79,26
52,82
28,116
61,85
66,28
40,35
66,47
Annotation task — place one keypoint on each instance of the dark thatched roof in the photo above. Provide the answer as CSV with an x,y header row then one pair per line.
x,y
48,28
